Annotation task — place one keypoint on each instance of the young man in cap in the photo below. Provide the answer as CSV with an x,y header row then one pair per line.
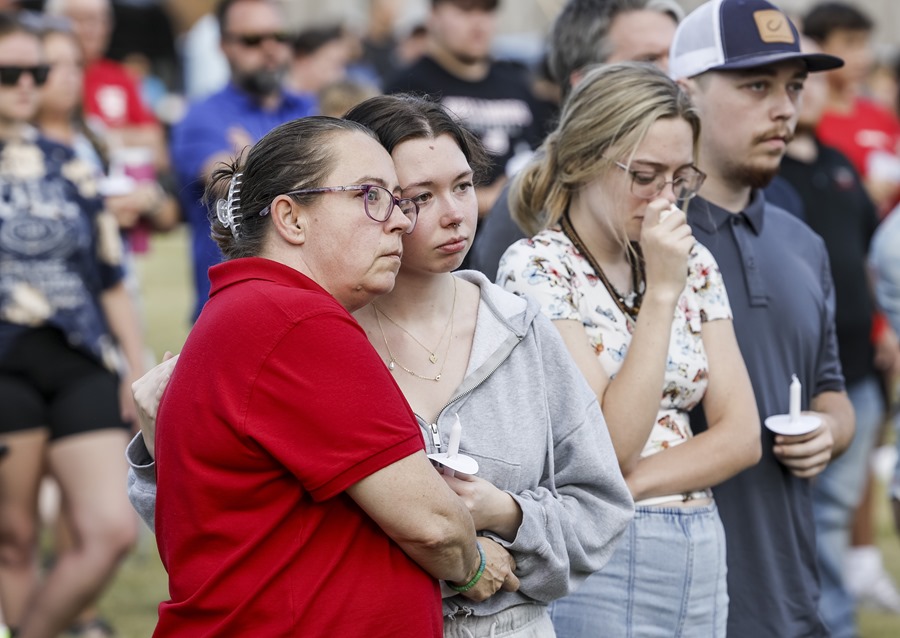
x,y
741,62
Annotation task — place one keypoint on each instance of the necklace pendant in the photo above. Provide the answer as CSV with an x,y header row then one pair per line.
x,y
432,357
391,365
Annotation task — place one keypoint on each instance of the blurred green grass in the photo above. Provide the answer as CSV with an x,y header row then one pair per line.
x,y
131,601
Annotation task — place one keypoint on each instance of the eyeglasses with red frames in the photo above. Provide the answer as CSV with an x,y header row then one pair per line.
x,y
378,202
685,183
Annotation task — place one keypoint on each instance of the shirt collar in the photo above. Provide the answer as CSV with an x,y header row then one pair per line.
x,y
711,217
236,271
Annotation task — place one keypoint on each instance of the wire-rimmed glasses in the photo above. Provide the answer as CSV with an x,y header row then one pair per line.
x,y
378,201
685,183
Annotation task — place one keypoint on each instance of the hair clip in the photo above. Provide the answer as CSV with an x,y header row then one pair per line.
x,y
228,210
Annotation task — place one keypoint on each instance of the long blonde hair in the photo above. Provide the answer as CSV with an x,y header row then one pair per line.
x,y
613,107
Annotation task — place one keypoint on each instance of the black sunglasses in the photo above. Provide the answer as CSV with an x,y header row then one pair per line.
x,y
256,39
10,75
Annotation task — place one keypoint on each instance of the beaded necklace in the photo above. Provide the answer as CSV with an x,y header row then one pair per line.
x,y
629,304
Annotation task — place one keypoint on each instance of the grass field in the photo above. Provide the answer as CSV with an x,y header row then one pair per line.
x,y
131,601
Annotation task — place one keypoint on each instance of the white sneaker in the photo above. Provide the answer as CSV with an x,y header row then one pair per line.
x,y
868,582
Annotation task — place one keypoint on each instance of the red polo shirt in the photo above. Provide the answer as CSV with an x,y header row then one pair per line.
x,y
277,405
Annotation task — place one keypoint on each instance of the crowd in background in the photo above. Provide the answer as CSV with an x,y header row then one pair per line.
x,y
150,100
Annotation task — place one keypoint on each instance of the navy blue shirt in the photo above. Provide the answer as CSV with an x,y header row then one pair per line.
x,y
777,275
59,249
838,208
203,133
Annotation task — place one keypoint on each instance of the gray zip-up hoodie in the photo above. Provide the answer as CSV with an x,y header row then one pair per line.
x,y
534,425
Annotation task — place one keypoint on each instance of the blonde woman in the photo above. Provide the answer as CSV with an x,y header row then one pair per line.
x,y
643,311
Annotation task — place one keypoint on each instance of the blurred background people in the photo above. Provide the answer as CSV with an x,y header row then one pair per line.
x,y
320,57
885,261
258,50
493,98
61,118
337,98
204,66
865,132
70,346
836,205
111,93
585,32
869,136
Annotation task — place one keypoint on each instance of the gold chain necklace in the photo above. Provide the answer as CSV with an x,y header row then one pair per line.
x,y
393,360
432,352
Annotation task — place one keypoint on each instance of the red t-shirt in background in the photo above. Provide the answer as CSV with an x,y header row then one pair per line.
x,y
277,405
869,136
112,95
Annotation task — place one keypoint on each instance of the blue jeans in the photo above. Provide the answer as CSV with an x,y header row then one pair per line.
x,y
836,494
666,579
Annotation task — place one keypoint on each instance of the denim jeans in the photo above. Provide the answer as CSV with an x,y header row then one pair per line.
x,y
836,494
666,579
521,621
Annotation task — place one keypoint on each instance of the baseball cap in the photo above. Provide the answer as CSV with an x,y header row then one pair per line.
x,y
724,35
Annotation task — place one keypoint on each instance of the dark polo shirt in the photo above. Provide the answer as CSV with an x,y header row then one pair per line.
x,y
838,208
777,275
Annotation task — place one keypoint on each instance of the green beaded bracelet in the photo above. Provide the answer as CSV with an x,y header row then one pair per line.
x,y
469,585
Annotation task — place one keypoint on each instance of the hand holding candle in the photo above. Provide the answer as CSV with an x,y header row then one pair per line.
x,y
452,460
793,423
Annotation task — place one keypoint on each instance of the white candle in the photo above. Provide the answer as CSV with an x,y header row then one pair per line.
x,y
795,398
453,444
455,435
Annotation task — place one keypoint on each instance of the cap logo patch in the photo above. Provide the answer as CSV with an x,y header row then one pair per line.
x,y
773,26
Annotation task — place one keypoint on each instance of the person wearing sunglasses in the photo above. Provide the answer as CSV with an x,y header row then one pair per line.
x,y
66,320
258,52
293,495
111,95
643,310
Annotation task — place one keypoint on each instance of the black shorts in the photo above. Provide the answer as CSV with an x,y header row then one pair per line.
x,y
45,382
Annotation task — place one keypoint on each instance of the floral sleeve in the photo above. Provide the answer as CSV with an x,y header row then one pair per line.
x,y
705,280
542,268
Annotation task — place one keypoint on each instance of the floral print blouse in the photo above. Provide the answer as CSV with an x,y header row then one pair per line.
x,y
59,248
550,268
